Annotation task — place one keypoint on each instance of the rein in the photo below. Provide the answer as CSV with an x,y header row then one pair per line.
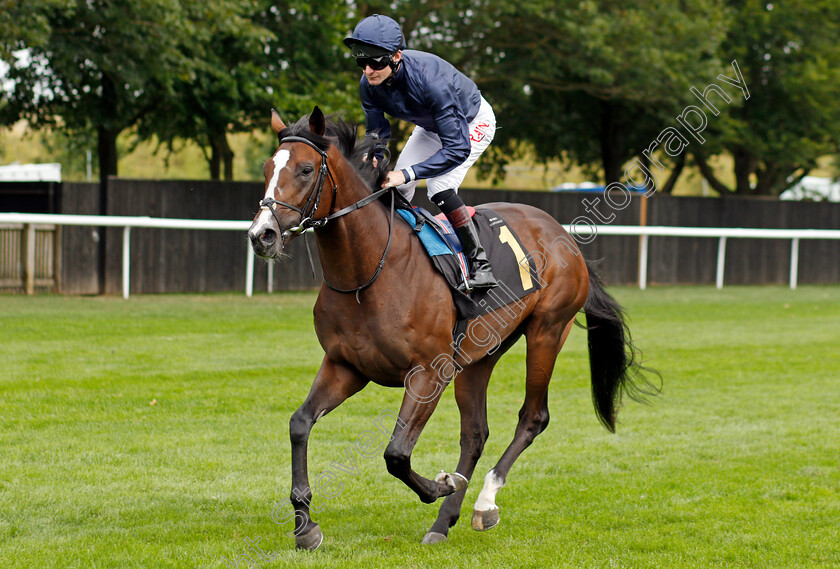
x,y
311,206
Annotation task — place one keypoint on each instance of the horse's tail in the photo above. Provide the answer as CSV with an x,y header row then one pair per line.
x,y
613,359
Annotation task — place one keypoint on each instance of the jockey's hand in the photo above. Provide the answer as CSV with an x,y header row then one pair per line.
x,y
393,179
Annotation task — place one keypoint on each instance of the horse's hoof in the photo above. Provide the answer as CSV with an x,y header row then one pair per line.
x,y
460,481
455,481
485,520
311,540
433,537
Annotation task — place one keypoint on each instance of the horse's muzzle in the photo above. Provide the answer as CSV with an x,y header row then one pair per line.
x,y
265,241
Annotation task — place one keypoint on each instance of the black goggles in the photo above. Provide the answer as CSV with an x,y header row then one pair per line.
x,y
375,63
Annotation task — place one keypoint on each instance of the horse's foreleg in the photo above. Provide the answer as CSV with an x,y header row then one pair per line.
x,y
471,396
333,384
423,391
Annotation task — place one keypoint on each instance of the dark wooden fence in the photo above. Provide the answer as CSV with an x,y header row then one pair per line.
x,y
175,260
80,245
675,260
689,260
201,261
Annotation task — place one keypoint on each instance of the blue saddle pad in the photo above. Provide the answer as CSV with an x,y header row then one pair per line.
x,y
446,252
433,241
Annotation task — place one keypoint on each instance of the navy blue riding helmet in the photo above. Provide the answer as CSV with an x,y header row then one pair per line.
x,y
376,36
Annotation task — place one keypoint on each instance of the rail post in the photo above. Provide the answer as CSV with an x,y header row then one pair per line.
x,y
126,260
28,243
721,260
643,261
794,262
249,272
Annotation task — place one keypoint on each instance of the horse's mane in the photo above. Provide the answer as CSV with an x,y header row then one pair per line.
x,y
341,134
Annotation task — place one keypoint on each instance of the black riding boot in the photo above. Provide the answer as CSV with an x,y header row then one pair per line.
x,y
480,269
452,206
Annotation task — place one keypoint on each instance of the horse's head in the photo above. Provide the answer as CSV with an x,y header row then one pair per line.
x,y
294,185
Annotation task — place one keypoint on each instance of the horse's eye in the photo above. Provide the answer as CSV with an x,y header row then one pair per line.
x,y
307,170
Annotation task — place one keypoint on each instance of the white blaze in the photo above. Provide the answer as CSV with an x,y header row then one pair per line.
x,y
280,159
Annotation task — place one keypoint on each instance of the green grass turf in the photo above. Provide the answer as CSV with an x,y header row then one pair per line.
x,y
735,465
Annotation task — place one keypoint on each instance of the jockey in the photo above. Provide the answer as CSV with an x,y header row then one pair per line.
x,y
453,124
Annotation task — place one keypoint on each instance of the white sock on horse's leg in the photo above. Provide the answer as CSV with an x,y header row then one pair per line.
x,y
486,512
487,498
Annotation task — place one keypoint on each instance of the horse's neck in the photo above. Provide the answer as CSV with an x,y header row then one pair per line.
x,y
350,246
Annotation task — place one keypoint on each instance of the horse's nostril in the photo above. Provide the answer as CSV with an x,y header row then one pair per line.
x,y
268,237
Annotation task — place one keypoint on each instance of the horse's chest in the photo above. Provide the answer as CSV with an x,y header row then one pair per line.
x,y
381,346
355,337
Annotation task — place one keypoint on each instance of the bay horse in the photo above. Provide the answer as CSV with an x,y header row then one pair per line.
x,y
384,315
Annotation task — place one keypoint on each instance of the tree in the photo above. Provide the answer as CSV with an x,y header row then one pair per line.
x,y
592,81
219,82
789,54
257,55
97,67
23,24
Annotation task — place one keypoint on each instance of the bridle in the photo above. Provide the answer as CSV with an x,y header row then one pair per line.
x,y
313,200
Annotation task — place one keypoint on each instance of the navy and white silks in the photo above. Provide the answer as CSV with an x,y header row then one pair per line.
x,y
454,124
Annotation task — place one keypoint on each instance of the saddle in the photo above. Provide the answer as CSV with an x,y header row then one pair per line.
x,y
503,248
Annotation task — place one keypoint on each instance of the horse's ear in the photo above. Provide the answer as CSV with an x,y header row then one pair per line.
x,y
317,122
276,122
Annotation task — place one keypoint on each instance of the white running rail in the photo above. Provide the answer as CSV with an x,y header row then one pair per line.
x,y
645,232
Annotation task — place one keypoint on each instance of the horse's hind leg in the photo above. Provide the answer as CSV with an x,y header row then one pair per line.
x,y
544,343
471,396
